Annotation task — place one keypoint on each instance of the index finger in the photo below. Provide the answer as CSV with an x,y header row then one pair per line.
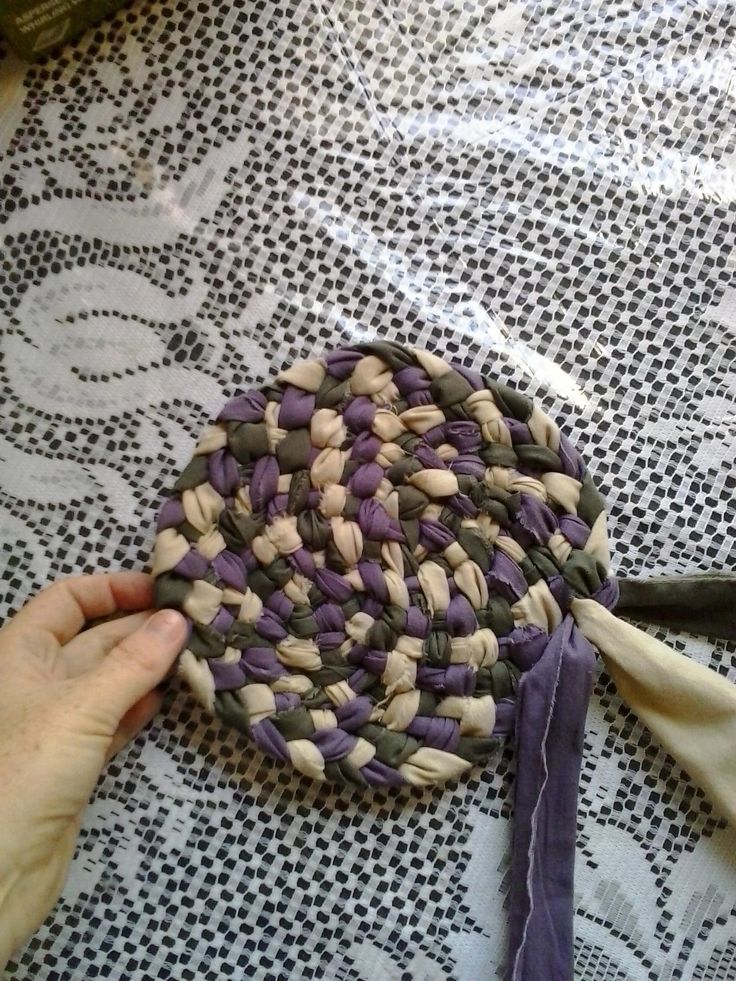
x,y
63,608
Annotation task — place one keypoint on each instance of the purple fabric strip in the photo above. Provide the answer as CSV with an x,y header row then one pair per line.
x,y
171,514
467,463
561,592
410,380
535,518
430,679
228,677
574,530
437,732
303,561
394,533
333,585
374,581
192,566
280,604
341,363
434,536
267,737
464,436
333,744
229,569
287,700
268,625
371,606
365,447
417,623
356,654
473,377
277,505
296,409
261,665
223,472
381,775
365,480
550,728
419,398
572,462
249,560
461,618
374,661
264,482
355,713
248,407
550,725
359,414
223,621
428,458
461,504
524,646
374,520
506,578
329,640
520,432
505,717
359,680
329,616
457,679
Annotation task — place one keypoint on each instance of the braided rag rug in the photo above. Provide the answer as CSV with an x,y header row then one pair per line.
x,y
390,564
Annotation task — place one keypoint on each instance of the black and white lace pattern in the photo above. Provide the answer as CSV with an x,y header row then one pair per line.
x,y
196,194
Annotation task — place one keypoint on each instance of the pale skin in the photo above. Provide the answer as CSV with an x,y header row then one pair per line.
x,y
70,698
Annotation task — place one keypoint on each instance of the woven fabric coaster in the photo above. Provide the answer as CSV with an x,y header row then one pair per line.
x,y
372,551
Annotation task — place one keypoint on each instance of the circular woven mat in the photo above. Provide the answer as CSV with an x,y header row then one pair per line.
x,y
372,551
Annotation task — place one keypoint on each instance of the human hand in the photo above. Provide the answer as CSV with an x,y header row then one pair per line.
x,y
69,700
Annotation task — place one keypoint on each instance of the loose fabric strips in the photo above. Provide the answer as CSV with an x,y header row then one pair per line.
x,y
390,564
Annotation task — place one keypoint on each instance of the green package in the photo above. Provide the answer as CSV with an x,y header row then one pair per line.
x,y
33,27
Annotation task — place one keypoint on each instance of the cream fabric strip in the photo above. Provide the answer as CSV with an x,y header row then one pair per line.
x,y
689,708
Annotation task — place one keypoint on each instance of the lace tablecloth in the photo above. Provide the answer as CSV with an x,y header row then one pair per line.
x,y
197,193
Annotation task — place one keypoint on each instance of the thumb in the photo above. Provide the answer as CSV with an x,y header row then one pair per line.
x,y
138,663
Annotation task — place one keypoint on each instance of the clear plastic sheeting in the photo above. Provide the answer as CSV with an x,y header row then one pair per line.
x,y
195,194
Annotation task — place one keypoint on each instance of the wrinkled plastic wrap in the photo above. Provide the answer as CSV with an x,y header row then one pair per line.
x,y
195,194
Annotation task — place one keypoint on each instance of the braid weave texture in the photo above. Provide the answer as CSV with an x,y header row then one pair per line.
x,y
372,551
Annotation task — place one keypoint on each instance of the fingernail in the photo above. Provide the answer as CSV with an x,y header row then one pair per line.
x,y
167,624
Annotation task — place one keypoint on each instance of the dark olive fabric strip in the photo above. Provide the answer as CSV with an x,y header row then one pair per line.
x,y
704,603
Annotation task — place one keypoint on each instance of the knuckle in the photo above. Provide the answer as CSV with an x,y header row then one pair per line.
x,y
58,588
